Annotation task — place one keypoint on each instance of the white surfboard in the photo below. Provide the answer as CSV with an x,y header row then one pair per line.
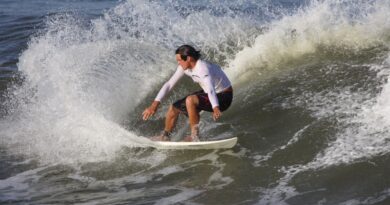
x,y
216,144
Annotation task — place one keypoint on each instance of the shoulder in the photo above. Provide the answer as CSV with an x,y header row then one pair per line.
x,y
209,64
205,65
210,67
204,62
179,69
202,66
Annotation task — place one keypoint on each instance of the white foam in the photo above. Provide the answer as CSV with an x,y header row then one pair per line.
x,y
363,119
17,187
366,135
378,198
184,194
82,80
328,24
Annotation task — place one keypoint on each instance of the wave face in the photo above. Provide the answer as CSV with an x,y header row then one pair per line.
x,y
310,106
83,79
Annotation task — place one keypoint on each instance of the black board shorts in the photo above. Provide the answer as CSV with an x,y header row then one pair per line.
x,y
224,100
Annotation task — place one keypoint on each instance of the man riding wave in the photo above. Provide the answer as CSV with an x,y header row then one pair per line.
x,y
216,94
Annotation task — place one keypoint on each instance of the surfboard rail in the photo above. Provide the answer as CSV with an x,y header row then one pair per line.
x,y
215,144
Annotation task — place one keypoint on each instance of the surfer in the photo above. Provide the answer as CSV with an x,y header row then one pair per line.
x,y
216,94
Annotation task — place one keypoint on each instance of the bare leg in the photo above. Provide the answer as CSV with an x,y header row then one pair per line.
x,y
191,102
171,118
170,123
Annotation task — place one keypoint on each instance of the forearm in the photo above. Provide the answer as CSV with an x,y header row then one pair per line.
x,y
155,105
163,91
213,98
170,84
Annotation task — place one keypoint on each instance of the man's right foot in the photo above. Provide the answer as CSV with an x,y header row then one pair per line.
x,y
194,137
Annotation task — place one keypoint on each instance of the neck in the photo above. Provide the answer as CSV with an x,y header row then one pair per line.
x,y
193,64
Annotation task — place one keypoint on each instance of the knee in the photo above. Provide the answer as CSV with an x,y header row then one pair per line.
x,y
192,100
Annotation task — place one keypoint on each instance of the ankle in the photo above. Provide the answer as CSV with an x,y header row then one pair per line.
x,y
195,131
166,134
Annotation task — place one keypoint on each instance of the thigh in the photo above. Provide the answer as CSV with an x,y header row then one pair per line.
x,y
224,100
181,104
204,103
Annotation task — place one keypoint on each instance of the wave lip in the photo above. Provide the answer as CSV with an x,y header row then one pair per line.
x,y
334,26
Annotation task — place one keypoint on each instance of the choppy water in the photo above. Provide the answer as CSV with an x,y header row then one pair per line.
x,y
311,105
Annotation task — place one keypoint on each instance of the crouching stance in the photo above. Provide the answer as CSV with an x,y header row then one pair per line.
x,y
216,94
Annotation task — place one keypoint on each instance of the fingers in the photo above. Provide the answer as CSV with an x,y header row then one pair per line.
x,y
147,114
144,117
216,113
216,116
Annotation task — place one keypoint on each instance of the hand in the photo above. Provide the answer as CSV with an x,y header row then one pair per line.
x,y
216,113
149,112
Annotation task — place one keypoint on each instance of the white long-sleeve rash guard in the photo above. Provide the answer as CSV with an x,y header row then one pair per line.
x,y
209,76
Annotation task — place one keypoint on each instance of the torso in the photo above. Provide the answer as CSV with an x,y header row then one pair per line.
x,y
203,68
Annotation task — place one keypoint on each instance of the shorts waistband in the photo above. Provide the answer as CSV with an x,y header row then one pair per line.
x,y
227,90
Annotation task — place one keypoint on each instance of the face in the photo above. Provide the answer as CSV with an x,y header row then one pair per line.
x,y
184,64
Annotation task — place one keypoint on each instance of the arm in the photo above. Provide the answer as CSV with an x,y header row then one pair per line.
x,y
170,84
161,94
210,90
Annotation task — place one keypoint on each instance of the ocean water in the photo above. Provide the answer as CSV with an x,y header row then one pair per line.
x,y
311,104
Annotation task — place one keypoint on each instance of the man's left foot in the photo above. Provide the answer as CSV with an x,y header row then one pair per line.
x,y
165,136
160,138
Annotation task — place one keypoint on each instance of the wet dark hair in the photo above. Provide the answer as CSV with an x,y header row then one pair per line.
x,y
187,50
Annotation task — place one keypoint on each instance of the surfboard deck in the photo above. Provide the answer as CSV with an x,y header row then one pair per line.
x,y
216,144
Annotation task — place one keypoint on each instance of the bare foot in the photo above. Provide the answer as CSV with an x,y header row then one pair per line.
x,y
160,138
191,139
